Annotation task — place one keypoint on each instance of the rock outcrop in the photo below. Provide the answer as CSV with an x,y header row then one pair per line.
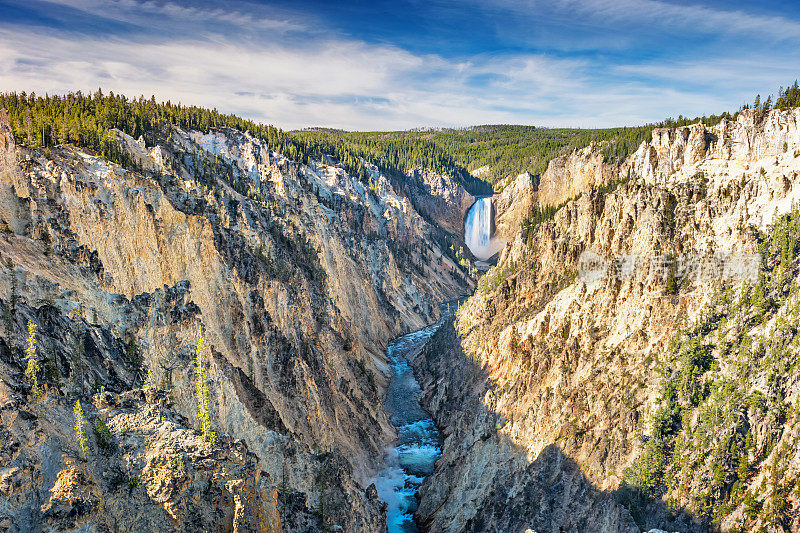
x,y
749,139
513,204
440,198
565,178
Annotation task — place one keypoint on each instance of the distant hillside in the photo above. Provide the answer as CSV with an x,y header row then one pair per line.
x,y
509,150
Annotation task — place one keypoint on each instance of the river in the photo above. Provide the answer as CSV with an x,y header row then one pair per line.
x,y
418,443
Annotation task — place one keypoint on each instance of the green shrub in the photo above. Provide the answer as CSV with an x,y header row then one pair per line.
x,y
751,506
33,367
103,437
757,401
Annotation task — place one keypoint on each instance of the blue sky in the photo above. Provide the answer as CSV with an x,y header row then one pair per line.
x,y
375,65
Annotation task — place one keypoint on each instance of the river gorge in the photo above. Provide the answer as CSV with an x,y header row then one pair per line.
x,y
208,335
418,444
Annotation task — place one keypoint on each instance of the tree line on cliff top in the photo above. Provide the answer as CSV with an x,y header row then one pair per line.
x,y
506,150
509,150
85,120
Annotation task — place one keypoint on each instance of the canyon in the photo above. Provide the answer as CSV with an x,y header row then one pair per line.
x,y
595,378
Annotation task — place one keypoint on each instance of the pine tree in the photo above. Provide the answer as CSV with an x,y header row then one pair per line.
x,y
80,435
201,386
33,368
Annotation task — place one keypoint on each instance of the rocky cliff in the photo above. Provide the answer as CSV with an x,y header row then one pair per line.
x,y
440,198
299,275
632,363
513,204
565,178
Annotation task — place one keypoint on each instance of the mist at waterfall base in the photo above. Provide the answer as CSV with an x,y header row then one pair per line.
x,y
418,443
478,230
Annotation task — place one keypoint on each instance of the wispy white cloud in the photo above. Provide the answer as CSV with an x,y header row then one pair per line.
x,y
762,72
343,83
669,18
296,72
168,14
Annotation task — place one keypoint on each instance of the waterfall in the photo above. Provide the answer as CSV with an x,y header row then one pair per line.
x,y
478,230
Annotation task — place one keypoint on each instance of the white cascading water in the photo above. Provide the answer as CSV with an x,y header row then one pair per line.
x,y
478,230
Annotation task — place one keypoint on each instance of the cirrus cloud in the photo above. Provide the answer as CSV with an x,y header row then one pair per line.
x,y
294,69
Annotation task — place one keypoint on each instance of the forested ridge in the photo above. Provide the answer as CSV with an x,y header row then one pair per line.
x,y
506,150
85,120
509,150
